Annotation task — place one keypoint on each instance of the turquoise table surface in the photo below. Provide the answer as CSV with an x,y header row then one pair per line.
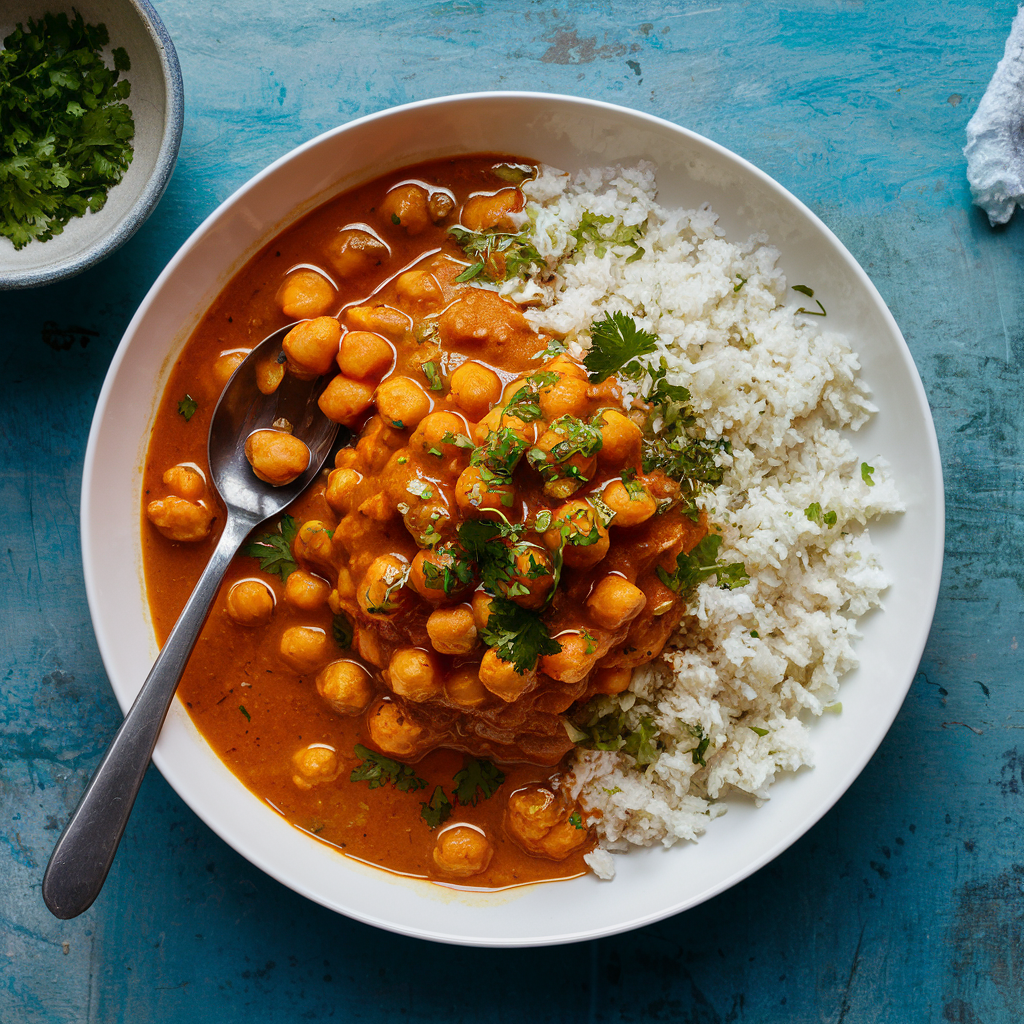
x,y
906,902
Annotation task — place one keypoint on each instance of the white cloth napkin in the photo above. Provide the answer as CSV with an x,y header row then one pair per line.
x,y
995,135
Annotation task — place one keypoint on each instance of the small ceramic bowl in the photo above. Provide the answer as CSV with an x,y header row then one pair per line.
x,y
157,105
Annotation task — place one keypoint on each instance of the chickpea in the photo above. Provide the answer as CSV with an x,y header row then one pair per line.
x,y
180,520
615,601
611,680
415,674
386,320
585,537
564,475
304,294
574,661
434,427
393,729
539,821
481,608
276,457
502,679
427,519
483,498
566,397
353,252
341,486
403,402
567,366
365,356
250,603
474,389
311,347
481,213
440,205
346,686
345,401
632,505
313,544
381,592
419,288
533,577
462,851
224,365
185,482
620,438
434,574
463,687
306,591
406,205
315,765
345,588
452,630
304,648
497,419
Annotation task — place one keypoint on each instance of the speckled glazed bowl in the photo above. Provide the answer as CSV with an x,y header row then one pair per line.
x,y
157,105
570,133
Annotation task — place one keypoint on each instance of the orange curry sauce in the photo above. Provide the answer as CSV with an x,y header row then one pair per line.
x,y
379,540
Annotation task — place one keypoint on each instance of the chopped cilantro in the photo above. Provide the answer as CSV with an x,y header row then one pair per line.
x,y
449,569
433,375
274,549
187,407
395,219
65,132
698,752
459,440
815,515
517,635
758,730
395,579
378,770
615,342
248,717
700,565
497,255
804,290
477,775
576,820
437,810
591,641
593,230
743,281
610,732
865,474
524,404
500,452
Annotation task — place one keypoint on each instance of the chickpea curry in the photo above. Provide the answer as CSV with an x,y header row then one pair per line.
x,y
395,667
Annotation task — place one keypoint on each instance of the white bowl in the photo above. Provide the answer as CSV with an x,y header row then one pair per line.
x,y
158,108
569,133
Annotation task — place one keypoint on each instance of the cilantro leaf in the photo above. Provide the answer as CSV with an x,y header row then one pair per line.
x,y
248,717
698,752
475,775
378,770
610,732
274,549
576,820
517,635
187,407
437,810
865,474
65,132
615,340
700,565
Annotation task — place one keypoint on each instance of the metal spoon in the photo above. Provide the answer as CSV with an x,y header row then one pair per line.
x,y
82,857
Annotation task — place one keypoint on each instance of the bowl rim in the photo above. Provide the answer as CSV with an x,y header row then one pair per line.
x,y
154,188
926,597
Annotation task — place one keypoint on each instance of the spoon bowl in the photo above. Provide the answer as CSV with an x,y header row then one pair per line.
x,y
82,857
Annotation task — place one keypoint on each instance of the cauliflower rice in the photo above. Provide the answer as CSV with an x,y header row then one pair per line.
x,y
730,693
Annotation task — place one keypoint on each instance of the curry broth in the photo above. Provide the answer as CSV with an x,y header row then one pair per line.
x,y
249,705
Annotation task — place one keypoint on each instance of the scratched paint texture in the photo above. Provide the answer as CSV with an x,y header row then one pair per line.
x,y
906,903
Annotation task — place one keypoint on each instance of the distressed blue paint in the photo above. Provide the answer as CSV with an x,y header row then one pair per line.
x,y
904,903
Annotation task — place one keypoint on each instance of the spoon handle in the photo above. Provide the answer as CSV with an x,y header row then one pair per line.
x,y
82,857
